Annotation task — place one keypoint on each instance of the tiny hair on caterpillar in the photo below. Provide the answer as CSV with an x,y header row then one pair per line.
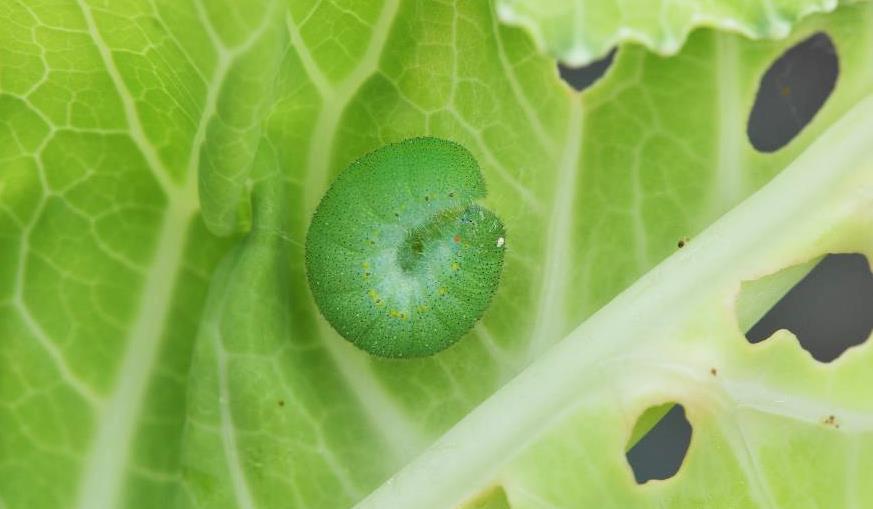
x,y
400,259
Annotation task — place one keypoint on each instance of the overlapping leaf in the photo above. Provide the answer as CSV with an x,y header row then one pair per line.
x,y
579,31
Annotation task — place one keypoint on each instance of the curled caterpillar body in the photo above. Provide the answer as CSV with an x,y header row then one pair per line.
x,y
400,259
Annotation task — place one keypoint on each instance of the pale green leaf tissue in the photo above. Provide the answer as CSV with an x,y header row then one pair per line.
x,y
160,161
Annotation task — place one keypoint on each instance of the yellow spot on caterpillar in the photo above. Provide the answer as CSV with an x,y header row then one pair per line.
x,y
374,296
456,266
442,290
365,265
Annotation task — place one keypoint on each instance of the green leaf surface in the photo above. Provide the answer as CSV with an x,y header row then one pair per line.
x,y
159,345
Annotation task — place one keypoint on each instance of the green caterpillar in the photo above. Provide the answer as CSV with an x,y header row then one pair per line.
x,y
399,258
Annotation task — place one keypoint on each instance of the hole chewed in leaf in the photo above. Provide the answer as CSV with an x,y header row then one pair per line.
x,y
661,451
792,91
583,77
829,310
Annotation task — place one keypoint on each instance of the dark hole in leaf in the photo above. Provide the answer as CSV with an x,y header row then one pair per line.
x,y
830,310
583,77
659,453
792,91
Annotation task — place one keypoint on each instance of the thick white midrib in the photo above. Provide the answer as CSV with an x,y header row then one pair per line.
x,y
242,494
550,312
828,184
729,183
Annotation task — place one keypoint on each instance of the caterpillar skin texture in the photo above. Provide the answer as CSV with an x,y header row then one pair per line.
x,y
399,258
